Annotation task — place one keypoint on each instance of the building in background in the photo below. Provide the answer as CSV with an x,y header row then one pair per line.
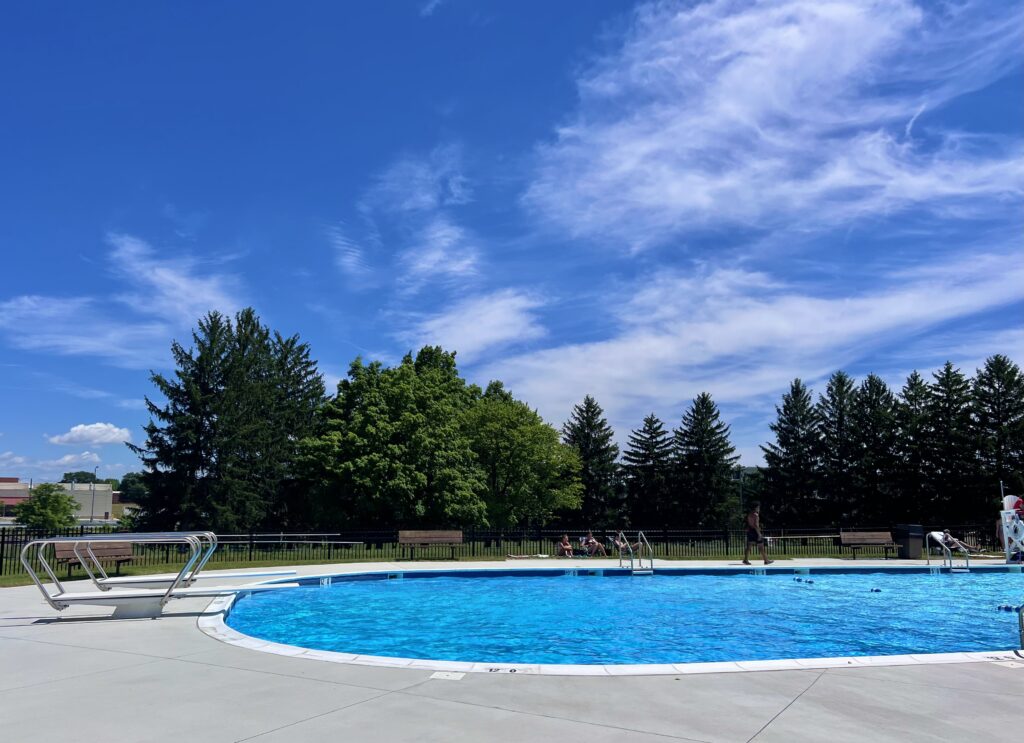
x,y
95,501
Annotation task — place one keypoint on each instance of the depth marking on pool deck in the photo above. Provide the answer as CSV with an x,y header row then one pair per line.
x,y
212,623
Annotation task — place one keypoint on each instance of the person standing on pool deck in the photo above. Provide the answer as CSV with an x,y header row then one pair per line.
x,y
754,535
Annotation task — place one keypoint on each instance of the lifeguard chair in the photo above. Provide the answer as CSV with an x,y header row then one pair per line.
x,y
1011,518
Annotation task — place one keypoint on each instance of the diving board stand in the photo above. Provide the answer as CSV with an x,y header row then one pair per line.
x,y
145,596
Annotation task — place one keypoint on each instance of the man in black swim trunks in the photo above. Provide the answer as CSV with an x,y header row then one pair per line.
x,y
754,535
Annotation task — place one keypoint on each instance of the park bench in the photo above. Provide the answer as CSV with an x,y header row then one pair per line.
x,y
115,552
857,539
427,538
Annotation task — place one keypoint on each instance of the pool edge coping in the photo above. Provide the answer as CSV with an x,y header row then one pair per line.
x,y
211,623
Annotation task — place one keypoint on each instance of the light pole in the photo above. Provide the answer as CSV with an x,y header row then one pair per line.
x,y
92,508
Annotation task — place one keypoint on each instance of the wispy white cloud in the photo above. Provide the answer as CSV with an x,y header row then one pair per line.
x,y
794,114
441,251
82,326
9,461
742,336
173,289
132,329
92,434
427,9
414,198
420,183
348,253
481,323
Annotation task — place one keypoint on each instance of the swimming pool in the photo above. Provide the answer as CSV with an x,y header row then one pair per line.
x,y
605,618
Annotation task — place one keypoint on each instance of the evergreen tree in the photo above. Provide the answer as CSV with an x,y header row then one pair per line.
x,y
648,470
874,433
180,450
791,471
952,464
705,459
220,453
835,414
912,450
589,433
999,422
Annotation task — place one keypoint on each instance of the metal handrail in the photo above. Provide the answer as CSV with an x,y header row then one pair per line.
x,y
642,539
54,599
166,536
621,539
947,553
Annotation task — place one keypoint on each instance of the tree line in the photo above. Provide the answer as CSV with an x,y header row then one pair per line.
x,y
246,438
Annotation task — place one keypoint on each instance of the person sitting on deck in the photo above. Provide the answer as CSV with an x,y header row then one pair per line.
x,y
592,546
953,543
565,547
623,545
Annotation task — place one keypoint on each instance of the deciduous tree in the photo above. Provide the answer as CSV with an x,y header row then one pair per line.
x,y
49,507
528,473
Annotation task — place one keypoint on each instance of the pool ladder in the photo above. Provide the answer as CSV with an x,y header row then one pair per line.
x,y
947,554
636,562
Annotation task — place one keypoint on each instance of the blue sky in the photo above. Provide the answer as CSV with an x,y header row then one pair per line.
x,y
640,202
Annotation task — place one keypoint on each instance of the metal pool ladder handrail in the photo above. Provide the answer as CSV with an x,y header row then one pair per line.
x,y
641,538
623,541
161,538
947,553
636,562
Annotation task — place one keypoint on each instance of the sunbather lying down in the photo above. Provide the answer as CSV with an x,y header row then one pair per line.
x,y
526,557
953,543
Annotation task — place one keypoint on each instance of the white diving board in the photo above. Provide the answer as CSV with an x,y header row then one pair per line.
x,y
131,600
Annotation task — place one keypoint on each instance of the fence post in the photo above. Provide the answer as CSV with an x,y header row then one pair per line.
x,y
3,548
472,541
251,545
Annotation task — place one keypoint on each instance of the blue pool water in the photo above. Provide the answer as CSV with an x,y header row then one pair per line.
x,y
659,619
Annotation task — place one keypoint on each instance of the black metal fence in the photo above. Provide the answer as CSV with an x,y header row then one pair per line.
x,y
382,545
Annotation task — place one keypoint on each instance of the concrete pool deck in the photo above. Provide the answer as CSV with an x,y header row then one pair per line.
x,y
80,674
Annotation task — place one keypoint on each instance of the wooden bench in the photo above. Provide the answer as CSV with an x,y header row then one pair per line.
x,y
857,539
115,552
426,538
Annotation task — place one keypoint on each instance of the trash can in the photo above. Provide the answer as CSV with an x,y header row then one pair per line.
x,y
910,540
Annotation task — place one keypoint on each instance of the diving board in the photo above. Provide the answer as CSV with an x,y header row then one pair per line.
x,y
136,596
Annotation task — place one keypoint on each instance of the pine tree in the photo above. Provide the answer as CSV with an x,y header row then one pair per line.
x,y
952,463
705,459
912,450
791,471
589,433
999,423
180,450
835,412
648,471
220,452
874,433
